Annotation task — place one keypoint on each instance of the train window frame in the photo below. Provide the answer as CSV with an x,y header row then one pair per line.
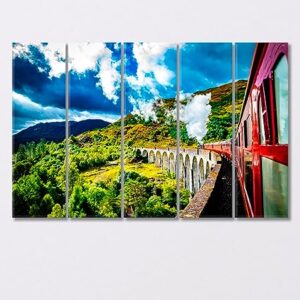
x,y
248,132
278,138
245,134
266,109
261,123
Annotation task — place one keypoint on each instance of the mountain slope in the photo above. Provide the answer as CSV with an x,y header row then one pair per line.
x,y
55,131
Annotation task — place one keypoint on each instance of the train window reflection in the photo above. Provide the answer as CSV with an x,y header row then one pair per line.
x,y
247,132
275,188
248,175
261,124
281,95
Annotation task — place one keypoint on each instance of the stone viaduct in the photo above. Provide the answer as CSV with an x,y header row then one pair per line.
x,y
194,164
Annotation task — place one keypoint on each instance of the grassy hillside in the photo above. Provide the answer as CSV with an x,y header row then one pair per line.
x,y
162,132
220,121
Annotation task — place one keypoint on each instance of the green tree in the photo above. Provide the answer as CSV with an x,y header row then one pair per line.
x,y
27,192
134,195
46,205
57,212
184,195
169,196
77,203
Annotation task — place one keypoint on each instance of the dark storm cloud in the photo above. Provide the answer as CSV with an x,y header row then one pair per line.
x,y
84,95
29,81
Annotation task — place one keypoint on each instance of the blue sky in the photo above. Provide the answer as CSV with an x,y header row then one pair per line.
x,y
205,65
39,82
150,73
202,66
244,55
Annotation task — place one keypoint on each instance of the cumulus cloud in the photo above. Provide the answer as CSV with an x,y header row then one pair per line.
x,y
195,115
109,78
54,54
97,57
82,57
151,67
85,56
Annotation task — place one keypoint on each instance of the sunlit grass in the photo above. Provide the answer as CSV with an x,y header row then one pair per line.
x,y
109,173
106,173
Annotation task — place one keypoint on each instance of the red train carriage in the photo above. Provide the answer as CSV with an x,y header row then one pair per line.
x,y
261,142
222,148
262,134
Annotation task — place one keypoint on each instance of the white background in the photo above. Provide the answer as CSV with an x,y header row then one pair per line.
x,y
148,259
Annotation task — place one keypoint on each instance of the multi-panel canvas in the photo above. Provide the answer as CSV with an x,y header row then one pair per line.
x,y
150,130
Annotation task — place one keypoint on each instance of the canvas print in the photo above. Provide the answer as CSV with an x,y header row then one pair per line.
x,y
94,144
150,132
38,102
262,133
205,168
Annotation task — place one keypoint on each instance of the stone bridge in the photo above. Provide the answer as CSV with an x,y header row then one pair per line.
x,y
194,164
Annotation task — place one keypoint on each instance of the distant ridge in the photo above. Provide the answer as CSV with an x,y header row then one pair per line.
x,y
55,131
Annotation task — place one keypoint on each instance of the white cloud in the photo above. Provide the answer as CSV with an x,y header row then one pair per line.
x,y
24,104
109,78
54,54
30,113
97,57
195,115
151,68
76,115
143,108
85,56
183,96
82,57
20,50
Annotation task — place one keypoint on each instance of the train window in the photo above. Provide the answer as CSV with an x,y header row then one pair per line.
x,y
247,132
266,109
245,135
261,124
281,97
274,188
248,175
